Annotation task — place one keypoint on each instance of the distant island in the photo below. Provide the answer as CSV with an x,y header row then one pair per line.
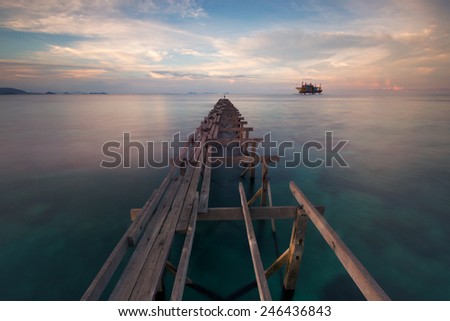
x,y
201,93
15,91
12,91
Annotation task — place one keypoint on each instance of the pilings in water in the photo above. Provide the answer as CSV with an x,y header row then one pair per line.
x,y
182,201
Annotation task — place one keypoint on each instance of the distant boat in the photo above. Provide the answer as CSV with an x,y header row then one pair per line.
x,y
309,89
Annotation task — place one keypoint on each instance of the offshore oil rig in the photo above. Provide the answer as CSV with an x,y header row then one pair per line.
x,y
309,89
134,270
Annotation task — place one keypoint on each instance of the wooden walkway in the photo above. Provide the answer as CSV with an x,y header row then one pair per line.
x,y
182,200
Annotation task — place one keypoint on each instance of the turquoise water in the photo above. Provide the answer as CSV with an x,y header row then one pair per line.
x,y
61,214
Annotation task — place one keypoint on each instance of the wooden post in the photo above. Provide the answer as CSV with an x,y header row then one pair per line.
x,y
265,172
180,277
277,264
206,183
362,278
183,168
253,154
134,213
261,280
269,193
254,197
295,250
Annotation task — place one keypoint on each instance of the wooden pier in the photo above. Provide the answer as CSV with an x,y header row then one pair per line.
x,y
134,270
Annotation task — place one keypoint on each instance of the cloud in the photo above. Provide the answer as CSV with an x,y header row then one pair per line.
x,y
345,42
166,74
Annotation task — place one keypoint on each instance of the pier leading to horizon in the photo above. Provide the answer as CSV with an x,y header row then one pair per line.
x,y
134,269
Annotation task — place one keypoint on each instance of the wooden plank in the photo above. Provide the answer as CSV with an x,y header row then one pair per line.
x,y
173,269
235,129
233,120
252,166
245,171
103,277
256,213
263,287
183,221
264,174
254,197
296,247
269,194
217,128
146,285
147,282
129,276
134,213
101,280
206,183
277,264
135,232
362,278
180,277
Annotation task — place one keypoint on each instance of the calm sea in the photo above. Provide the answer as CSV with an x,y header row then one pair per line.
x,y
61,214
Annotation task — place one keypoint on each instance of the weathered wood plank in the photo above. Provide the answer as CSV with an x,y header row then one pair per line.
x,y
277,264
253,154
103,277
362,278
129,276
135,232
264,175
147,282
261,280
296,246
183,221
269,194
225,141
101,280
254,197
235,129
256,213
180,277
206,183
134,213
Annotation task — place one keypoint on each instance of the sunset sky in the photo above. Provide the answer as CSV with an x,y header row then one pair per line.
x,y
177,46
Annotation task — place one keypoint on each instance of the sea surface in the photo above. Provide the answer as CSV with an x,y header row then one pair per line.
x,y
61,214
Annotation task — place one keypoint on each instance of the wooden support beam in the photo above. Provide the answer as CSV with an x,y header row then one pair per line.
x,y
245,160
135,231
134,213
252,166
236,129
277,264
256,213
254,197
125,285
225,141
362,278
264,174
180,277
269,194
183,222
147,282
263,287
206,183
103,277
245,171
295,250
